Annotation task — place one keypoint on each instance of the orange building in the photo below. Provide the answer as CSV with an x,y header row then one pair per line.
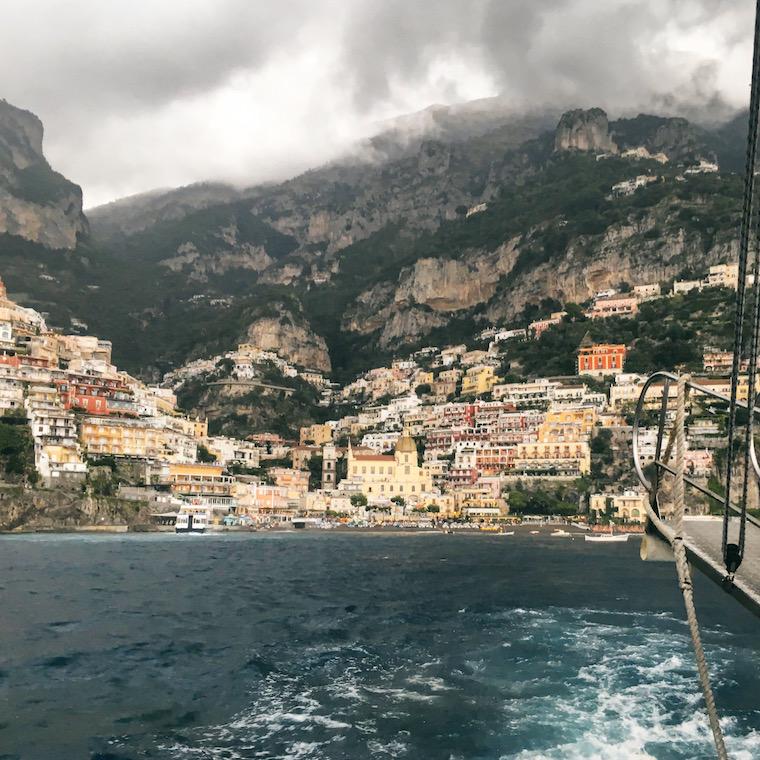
x,y
602,359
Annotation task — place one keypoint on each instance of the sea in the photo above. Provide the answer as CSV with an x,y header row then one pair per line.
x,y
330,644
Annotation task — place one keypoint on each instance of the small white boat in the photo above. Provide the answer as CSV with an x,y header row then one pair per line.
x,y
507,533
535,532
190,523
607,537
560,532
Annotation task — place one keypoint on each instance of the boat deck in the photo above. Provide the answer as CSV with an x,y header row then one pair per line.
x,y
703,537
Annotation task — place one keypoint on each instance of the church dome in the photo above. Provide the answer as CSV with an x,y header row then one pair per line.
x,y
406,445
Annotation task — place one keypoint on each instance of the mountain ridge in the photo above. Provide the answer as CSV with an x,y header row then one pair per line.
x,y
373,258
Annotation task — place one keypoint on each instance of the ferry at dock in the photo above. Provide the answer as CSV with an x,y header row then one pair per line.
x,y
191,523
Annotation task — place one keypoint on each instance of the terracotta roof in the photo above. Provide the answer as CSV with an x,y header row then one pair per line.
x,y
374,458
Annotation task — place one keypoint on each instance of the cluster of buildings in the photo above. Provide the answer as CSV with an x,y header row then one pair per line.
x,y
439,432
719,276
630,186
79,406
245,365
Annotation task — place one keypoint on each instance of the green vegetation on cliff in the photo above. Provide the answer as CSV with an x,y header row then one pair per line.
x,y
667,333
17,451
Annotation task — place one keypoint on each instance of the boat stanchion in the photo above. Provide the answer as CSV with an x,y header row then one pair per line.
x,y
655,549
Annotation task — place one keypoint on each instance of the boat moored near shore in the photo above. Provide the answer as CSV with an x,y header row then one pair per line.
x,y
191,523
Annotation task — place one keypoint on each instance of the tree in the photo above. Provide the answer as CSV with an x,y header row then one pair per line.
x,y
341,469
400,500
315,471
204,455
574,313
423,389
433,508
358,500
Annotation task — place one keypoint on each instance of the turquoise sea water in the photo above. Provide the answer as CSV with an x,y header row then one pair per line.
x,y
328,645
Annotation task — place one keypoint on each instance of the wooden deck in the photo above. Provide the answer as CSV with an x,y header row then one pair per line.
x,y
703,536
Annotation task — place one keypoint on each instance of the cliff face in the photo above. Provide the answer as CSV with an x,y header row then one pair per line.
x,y
625,253
36,203
369,256
584,130
31,509
292,338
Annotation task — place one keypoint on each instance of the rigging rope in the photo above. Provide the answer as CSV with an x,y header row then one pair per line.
x,y
684,573
674,536
734,553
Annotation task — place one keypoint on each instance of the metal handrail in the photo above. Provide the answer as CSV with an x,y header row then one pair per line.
x,y
668,378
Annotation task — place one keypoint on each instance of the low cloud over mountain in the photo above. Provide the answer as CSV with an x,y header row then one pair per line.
x,y
162,94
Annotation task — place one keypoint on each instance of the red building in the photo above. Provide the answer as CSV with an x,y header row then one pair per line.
x,y
11,358
95,395
602,359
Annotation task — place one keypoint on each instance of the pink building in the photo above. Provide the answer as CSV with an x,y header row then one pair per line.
x,y
614,306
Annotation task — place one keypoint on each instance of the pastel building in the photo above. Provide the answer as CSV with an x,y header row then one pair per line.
x,y
601,359
629,506
381,476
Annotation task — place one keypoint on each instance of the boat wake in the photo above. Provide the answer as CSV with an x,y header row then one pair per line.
x,y
514,685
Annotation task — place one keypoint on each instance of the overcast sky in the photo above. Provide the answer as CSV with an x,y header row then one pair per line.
x,y
138,94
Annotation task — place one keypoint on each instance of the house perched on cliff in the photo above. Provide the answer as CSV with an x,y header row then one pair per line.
x,y
599,360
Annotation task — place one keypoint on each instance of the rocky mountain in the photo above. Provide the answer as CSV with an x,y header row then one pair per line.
x,y
584,130
36,203
127,216
426,235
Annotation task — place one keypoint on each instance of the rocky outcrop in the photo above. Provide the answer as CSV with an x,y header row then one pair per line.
x,y
454,284
57,509
285,274
426,294
36,203
625,253
584,130
199,266
20,139
292,338
56,225
408,325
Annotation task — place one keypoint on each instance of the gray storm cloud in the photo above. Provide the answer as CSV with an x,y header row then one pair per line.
x,y
165,92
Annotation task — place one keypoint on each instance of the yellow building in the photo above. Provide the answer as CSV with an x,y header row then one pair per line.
x,y
478,380
200,481
121,437
194,428
563,425
480,503
317,435
583,417
569,458
629,506
389,475
290,478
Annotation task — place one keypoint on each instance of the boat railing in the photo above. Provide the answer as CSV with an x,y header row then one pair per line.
x,y
669,379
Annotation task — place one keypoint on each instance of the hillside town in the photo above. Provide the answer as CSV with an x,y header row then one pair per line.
x,y
436,436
